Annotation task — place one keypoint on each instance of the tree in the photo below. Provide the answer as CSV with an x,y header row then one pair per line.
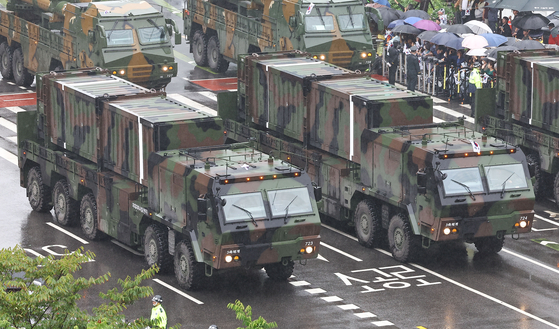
x,y
25,303
245,316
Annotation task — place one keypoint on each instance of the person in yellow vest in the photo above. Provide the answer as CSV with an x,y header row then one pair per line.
x,y
158,315
475,83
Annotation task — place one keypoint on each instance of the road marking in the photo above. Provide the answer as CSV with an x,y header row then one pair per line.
x,y
8,124
322,258
365,315
182,57
127,248
544,229
182,293
550,244
193,104
437,120
300,283
477,292
8,156
331,299
315,291
546,220
67,233
340,232
552,214
382,323
12,139
209,94
348,307
340,252
15,109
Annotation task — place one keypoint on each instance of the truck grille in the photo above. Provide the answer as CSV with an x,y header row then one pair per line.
x,y
140,73
341,58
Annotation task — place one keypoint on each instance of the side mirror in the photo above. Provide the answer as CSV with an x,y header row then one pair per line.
x,y
178,38
317,193
421,182
293,21
91,36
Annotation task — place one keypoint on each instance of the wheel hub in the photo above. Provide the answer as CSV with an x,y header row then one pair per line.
x,y
88,225
398,238
152,249
183,264
364,224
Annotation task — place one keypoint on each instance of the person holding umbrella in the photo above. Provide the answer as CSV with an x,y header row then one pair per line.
x,y
504,28
412,68
392,61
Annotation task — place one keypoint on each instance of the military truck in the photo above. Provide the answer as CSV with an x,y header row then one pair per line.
x,y
133,165
129,38
382,165
522,109
335,31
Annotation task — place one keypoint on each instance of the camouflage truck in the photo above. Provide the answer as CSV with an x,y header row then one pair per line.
x,y
415,184
131,164
334,31
522,109
129,38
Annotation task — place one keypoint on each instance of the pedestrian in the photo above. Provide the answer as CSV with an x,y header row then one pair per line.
x,y
504,28
392,60
412,68
493,19
475,83
442,17
158,315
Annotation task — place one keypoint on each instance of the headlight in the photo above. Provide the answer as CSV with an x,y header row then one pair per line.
x,y
164,68
228,258
309,249
363,55
322,57
446,231
523,224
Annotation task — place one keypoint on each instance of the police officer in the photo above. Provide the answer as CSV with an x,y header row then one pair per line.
x,y
412,68
158,315
475,83
392,60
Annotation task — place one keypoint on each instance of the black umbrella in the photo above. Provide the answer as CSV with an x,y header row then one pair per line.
x,y
416,13
511,41
459,29
427,35
528,44
405,28
443,38
531,22
525,5
492,54
388,15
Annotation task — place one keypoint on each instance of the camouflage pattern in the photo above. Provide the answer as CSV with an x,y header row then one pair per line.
x,y
269,26
323,105
78,35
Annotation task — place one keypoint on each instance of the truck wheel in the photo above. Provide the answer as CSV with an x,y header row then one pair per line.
x,y
88,217
65,208
368,226
38,193
215,58
403,243
188,271
200,48
22,77
6,58
278,271
156,248
533,162
489,245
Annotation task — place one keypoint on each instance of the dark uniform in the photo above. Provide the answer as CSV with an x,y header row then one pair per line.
x,y
393,59
412,68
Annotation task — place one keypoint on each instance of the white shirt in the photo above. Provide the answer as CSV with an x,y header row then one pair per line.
x,y
465,5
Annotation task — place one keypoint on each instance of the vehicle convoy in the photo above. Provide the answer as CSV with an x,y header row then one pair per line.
x,y
134,165
522,110
129,38
336,31
380,161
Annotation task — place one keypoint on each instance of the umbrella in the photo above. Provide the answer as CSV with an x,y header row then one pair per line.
x,y
554,32
375,15
474,42
427,25
525,5
531,22
494,40
416,13
459,29
411,20
455,44
388,15
443,38
405,28
477,52
528,44
395,23
478,27
492,54
382,2
427,35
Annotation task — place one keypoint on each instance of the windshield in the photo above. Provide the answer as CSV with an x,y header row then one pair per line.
x,y
506,177
319,23
462,181
295,201
120,37
153,34
240,207
351,22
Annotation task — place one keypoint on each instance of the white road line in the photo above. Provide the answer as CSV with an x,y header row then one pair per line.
x,y
15,109
544,229
331,299
382,323
486,296
12,139
209,94
8,156
531,261
546,220
315,291
67,233
340,252
340,232
300,283
8,124
193,104
437,120
348,307
453,113
365,315
182,293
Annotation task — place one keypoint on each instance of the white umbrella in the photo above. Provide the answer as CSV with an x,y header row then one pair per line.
x,y
477,52
478,27
474,42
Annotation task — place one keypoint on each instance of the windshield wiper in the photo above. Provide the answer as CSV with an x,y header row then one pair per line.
x,y
350,16
248,213
111,31
320,15
287,209
466,187
504,185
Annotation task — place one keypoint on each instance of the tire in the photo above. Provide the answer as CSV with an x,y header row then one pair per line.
x,y
489,245
533,161
38,193
279,272
556,189
156,248
22,77
200,48
88,217
6,59
65,208
188,271
402,242
368,226
215,59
